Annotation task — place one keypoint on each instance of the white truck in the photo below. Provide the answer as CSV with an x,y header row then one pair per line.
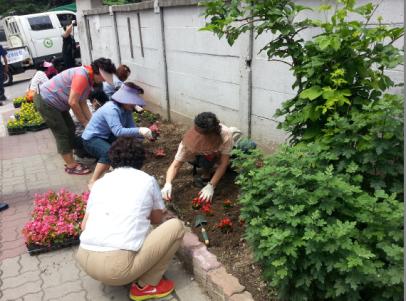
x,y
33,38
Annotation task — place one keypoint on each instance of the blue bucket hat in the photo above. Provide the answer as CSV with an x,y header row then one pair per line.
x,y
128,95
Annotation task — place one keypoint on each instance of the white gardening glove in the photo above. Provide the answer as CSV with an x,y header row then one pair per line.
x,y
206,194
146,132
167,192
139,109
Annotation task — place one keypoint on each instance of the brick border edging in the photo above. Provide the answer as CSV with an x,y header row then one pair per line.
x,y
209,273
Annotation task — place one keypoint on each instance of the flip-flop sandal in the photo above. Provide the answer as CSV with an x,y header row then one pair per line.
x,y
78,169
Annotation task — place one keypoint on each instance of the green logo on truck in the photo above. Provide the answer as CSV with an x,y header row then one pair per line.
x,y
48,43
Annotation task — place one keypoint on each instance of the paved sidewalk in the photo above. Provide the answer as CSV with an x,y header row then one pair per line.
x,y
29,164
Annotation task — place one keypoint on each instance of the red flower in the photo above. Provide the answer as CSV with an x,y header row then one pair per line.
x,y
206,209
225,225
227,203
155,131
197,203
159,152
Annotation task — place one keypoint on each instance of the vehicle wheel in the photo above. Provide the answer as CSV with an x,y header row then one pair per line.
x,y
8,78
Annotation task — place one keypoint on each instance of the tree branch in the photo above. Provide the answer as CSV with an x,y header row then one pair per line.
x,y
372,13
275,60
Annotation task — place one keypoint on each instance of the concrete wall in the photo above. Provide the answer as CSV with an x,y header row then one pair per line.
x,y
193,71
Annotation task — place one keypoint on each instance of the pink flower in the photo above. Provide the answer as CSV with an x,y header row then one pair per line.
x,y
56,215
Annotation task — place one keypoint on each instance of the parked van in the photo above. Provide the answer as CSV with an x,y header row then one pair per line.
x,y
33,38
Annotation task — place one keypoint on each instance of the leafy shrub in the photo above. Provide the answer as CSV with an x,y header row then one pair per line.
x,y
317,233
372,138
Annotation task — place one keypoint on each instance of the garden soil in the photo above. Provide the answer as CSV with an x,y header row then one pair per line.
x,y
230,248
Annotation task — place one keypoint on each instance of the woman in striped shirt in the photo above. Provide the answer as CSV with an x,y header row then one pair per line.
x,y
70,90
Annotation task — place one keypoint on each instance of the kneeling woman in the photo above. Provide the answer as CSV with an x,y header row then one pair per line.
x,y
113,120
115,247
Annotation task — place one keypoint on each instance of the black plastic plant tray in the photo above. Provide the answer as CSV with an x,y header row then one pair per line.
x,y
36,128
16,131
34,249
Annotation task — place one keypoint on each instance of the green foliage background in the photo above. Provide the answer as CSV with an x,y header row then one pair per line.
x,y
21,7
324,215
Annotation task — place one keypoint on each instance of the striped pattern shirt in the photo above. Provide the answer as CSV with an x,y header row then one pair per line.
x,y
55,92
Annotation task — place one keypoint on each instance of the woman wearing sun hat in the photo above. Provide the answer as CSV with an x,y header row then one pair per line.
x,y
208,143
112,120
69,90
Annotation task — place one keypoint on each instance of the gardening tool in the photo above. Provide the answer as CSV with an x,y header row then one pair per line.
x,y
200,221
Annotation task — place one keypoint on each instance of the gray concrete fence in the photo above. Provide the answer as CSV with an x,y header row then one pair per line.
x,y
186,71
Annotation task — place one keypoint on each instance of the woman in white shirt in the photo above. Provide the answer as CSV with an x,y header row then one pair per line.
x,y
116,246
39,78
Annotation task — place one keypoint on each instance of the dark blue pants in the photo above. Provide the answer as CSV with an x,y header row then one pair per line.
x,y
99,148
2,97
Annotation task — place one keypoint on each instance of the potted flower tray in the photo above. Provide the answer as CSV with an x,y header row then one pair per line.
x,y
34,249
16,131
37,127
55,221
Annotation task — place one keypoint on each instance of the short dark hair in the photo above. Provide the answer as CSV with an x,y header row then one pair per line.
x,y
134,86
127,152
103,63
101,97
208,123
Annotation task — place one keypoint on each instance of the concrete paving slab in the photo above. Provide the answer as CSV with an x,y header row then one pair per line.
x,y
29,164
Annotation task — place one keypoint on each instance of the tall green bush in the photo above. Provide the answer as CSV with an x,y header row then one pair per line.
x,y
371,137
324,216
317,233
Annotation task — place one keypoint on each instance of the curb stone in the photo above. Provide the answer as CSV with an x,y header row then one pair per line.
x,y
210,273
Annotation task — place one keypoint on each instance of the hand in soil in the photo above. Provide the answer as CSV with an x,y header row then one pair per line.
x,y
206,194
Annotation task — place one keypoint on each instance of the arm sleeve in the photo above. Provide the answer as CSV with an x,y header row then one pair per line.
x,y
157,201
228,143
79,84
113,120
183,154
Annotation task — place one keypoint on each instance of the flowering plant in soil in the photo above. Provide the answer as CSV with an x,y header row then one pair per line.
x,y
227,204
207,210
56,217
159,152
197,203
19,100
155,131
225,225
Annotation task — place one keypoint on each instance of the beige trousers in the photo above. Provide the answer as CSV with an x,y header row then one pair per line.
x,y
147,266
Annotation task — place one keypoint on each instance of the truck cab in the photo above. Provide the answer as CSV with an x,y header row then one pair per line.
x,y
33,38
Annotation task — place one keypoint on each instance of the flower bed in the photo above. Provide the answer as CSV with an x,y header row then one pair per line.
x,y
228,244
55,221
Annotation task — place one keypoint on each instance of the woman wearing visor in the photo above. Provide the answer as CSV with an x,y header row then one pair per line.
x,y
111,121
70,90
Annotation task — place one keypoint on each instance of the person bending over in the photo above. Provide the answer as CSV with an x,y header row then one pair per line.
x,y
208,144
113,120
116,247
69,90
